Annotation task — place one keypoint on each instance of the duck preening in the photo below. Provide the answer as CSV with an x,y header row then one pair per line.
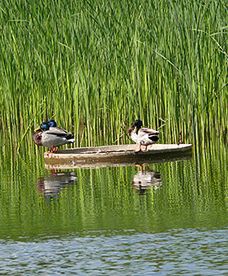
x,y
143,136
51,136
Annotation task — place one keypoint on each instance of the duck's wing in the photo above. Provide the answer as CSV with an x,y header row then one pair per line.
x,y
149,131
56,131
59,132
56,137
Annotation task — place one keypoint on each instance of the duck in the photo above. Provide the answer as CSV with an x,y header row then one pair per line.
x,y
51,136
142,136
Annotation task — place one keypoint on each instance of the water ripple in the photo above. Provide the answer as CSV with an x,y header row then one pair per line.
x,y
186,252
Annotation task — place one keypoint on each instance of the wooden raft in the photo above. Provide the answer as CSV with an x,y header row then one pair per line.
x,y
115,155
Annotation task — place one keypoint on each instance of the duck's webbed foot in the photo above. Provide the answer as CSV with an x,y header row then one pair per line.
x,y
53,171
53,149
139,149
146,149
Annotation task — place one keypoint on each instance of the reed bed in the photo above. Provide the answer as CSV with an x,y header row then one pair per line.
x,y
95,66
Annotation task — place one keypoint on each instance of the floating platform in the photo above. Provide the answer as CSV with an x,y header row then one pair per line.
x,y
115,155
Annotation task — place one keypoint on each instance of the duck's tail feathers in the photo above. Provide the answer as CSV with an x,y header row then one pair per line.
x,y
70,140
69,136
153,138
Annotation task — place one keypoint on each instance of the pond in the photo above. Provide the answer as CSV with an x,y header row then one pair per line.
x,y
163,218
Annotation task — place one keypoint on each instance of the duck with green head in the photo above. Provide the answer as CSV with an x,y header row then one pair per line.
x,y
51,136
142,136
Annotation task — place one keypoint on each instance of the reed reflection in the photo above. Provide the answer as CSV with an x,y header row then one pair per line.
x,y
52,184
145,180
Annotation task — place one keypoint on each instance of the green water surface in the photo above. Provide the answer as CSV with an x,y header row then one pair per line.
x,y
36,202
109,221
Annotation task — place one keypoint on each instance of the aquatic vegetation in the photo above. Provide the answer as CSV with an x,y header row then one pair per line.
x,y
97,65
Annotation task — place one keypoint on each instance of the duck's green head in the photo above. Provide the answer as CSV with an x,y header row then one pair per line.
x,y
44,126
138,124
52,123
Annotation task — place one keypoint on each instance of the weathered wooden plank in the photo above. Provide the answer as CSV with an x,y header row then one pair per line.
x,y
115,155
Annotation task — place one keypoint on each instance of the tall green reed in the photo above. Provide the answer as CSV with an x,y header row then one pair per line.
x,y
95,66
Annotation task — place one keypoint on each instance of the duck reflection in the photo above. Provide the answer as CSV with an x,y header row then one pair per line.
x,y
51,185
145,180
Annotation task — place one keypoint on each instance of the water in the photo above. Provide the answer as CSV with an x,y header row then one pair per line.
x,y
169,219
173,252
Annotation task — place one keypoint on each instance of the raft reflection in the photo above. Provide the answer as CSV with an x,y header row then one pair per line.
x,y
145,180
51,185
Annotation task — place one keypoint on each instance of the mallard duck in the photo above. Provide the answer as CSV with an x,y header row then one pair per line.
x,y
51,136
142,136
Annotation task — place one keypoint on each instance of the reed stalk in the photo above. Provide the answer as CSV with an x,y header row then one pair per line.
x,y
95,66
